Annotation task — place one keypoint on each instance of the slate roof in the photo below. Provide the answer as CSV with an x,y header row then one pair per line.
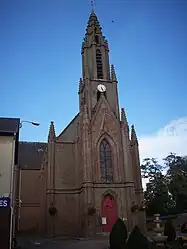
x,y
70,123
9,125
31,154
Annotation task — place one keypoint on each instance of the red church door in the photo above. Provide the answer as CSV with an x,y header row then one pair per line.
x,y
109,212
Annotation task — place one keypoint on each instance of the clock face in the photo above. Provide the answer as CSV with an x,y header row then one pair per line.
x,y
101,88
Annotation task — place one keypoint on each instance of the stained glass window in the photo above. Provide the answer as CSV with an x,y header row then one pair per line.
x,y
106,161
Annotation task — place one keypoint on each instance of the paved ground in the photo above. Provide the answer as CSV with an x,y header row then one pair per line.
x,y
98,243
65,243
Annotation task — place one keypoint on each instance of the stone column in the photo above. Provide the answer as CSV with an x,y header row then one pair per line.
x,y
87,173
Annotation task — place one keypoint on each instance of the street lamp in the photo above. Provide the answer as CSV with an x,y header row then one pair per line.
x,y
30,122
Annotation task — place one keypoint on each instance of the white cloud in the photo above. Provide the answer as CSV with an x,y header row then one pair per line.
x,y
170,138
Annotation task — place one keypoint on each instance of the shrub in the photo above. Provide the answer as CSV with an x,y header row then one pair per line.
x,y
169,231
118,235
137,240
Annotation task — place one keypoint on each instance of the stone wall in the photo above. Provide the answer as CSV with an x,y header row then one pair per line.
x,y
31,193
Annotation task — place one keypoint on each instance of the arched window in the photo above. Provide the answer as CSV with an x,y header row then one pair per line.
x,y
99,64
97,39
106,161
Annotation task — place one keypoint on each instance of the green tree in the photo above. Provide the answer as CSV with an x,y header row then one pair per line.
x,y
150,167
177,179
157,196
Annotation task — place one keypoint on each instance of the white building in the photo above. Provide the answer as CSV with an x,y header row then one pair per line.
x,y
9,139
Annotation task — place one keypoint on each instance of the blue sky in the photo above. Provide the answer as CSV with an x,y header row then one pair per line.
x,y
40,60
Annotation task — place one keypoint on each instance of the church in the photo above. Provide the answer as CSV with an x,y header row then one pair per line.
x,y
81,180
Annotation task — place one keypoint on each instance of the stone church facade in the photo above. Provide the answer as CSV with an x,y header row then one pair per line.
x,y
84,178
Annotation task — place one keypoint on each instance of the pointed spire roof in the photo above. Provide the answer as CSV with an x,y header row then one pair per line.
x,y
93,33
93,19
124,122
123,116
113,74
133,134
93,24
51,135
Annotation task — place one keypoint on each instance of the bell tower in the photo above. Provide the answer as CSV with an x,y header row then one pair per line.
x,y
108,169
96,70
95,59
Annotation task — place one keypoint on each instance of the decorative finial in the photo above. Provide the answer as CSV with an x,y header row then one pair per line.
x,y
113,74
123,116
133,135
51,135
92,5
124,122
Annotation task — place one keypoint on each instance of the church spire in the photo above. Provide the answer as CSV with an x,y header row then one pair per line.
x,y
96,69
94,51
113,74
123,116
93,24
124,122
133,135
51,135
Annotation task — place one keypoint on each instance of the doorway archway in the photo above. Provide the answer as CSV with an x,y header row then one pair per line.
x,y
109,212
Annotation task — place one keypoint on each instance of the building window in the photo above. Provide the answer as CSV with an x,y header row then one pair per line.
x,y
99,64
97,39
106,161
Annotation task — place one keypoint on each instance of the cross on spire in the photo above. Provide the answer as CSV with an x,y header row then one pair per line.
x,y
92,5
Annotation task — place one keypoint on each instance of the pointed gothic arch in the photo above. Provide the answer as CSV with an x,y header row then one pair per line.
x,y
115,156
99,64
109,192
109,210
106,162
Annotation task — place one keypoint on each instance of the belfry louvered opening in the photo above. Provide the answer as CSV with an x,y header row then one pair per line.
x,y
99,64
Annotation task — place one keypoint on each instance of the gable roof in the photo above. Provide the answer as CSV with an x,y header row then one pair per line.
x,y
31,154
98,106
74,120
